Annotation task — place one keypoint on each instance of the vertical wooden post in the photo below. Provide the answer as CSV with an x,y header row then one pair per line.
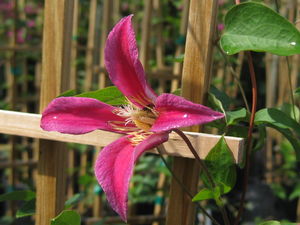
x,y
146,29
195,82
56,69
73,72
90,50
179,50
106,25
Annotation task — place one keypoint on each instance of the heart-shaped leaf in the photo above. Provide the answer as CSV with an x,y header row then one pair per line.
x,y
281,122
254,26
220,164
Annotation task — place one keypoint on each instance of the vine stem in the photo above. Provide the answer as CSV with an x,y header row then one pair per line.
x,y
160,149
200,162
248,148
219,200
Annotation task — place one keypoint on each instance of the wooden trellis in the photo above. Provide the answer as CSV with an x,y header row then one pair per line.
x,y
57,56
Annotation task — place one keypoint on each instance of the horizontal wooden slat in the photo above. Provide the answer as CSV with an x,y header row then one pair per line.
x,y
28,125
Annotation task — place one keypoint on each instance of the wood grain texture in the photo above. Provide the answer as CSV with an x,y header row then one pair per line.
x,y
177,68
195,82
73,70
89,56
146,32
30,127
105,29
56,53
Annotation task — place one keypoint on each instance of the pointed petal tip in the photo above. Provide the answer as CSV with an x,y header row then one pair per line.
x,y
123,65
113,170
114,167
175,112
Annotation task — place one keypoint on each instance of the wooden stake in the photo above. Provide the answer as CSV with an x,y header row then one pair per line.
x,y
195,82
104,33
56,68
73,72
177,69
144,49
89,58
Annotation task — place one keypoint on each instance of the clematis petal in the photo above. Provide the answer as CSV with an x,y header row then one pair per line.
x,y
123,66
175,112
79,115
114,168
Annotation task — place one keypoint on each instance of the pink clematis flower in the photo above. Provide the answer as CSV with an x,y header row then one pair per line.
x,y
147,120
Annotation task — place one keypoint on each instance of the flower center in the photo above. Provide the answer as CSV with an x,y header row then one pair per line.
x,y
142,118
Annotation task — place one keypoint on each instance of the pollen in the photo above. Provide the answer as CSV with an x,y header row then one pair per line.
x,y
138,137
143,119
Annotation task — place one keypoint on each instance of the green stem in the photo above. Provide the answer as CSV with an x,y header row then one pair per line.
x,y
161,149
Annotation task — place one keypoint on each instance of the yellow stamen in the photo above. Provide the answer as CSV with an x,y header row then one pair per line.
x,y
138,137
143,119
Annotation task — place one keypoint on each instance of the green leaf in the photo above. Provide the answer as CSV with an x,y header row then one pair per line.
x,y
67,217
68,93
260,140
73,200
212,193
271,222
233,117
297,91
284,222
221,96
109,95
86,180
253,26
220,164
287,150
277,118
215,103
28,209
18,195
204,194
279,191
237,131
289,109
281,122
295,193
177,92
